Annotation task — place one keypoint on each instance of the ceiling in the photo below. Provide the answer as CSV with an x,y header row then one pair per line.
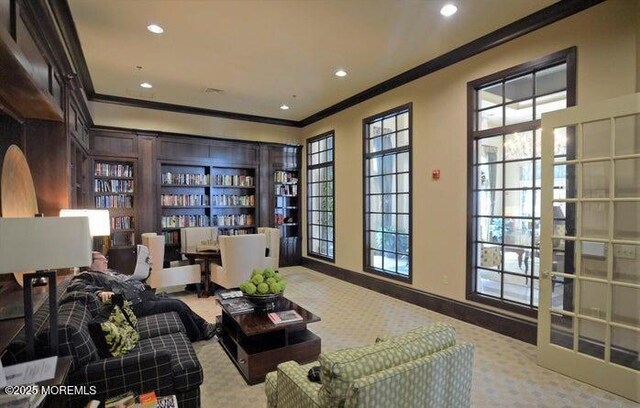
x,y
263,54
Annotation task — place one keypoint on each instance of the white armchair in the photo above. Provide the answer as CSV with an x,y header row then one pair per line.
x,y
273,244
240,254
161,277
191,237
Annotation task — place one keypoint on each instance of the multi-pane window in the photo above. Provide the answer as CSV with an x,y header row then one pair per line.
x,y
320,206
387,193
506,179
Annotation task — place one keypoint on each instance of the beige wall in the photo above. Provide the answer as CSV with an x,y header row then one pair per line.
x,y
105,114
605,36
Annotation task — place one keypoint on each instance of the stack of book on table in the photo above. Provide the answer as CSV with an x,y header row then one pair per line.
x,y
237,305
286,316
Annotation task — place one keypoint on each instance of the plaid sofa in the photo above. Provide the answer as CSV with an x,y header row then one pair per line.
x,y
163,361
422,368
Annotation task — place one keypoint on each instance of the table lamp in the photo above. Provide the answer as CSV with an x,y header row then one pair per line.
x,y
99,221
44,245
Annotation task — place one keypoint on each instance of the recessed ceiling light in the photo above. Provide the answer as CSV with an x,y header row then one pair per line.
x,y
448,10
284,107
341,73
156,29
146,85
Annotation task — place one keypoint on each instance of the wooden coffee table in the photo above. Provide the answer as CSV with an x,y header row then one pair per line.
x,y
256,345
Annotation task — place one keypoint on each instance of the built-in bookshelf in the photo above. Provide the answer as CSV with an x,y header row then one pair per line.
x,y
286,212
185,201
286,204
114,189
233,200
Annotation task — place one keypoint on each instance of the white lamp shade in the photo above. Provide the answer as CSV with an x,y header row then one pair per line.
x,y
99,223
28,244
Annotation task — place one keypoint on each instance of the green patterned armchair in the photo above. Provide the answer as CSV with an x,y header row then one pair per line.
x,y
422,368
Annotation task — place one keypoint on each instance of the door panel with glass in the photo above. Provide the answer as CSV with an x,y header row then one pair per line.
x,y
589,314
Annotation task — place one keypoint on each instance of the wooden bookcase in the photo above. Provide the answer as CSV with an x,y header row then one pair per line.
x,y
234,200
286,215
185,201
114,188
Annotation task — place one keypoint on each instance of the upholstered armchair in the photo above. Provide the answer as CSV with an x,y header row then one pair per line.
x,y
191,237
273,245
161,277
240,255
419,369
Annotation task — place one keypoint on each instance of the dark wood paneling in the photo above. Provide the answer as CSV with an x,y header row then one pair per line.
x,y
264,187
62,14
37,65
517,328
20,94
174,148
5,15
146,190
11,133
234,153
47,153
120,144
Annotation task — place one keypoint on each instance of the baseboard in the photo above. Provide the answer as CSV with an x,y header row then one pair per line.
x,y
514,327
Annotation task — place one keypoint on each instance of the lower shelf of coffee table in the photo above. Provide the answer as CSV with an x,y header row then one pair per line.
x,y
255,356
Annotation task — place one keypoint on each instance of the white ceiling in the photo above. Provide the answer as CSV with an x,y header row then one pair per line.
x,y
261,53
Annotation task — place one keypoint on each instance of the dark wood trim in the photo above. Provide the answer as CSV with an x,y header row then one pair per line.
x,y
514,327
62,14
20,96
310,140
526,25
365,235
158,133
558,57
45,32
521,27
192,110
567,56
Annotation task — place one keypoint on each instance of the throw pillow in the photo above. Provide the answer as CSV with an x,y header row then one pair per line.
x,y
114,330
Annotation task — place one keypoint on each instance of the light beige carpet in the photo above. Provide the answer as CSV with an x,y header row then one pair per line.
x,y
505,373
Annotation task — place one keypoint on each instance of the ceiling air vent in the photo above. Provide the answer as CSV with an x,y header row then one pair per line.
x,y
213,91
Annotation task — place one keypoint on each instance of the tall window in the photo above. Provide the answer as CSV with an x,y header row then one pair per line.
x,y
504,178
387,193
320,195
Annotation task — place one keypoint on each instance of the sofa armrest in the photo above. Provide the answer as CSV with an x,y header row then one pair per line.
x,y
137,371
294,390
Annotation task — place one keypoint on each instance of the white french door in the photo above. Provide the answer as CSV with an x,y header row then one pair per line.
x,y
589,312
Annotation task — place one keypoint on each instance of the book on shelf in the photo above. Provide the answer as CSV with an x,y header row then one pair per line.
x,y
237,305
286,316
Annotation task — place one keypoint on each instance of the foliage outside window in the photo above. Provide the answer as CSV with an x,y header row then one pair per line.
x,y
387,193
505,177
320,197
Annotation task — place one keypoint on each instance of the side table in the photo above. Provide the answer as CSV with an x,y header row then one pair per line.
x,y
207,257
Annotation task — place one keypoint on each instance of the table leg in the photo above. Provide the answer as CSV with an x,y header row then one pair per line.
x,y
207,279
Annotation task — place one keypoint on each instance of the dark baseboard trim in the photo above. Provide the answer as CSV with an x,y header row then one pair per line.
x,y
514,327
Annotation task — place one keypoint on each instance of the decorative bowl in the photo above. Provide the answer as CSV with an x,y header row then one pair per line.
x,y
264,303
